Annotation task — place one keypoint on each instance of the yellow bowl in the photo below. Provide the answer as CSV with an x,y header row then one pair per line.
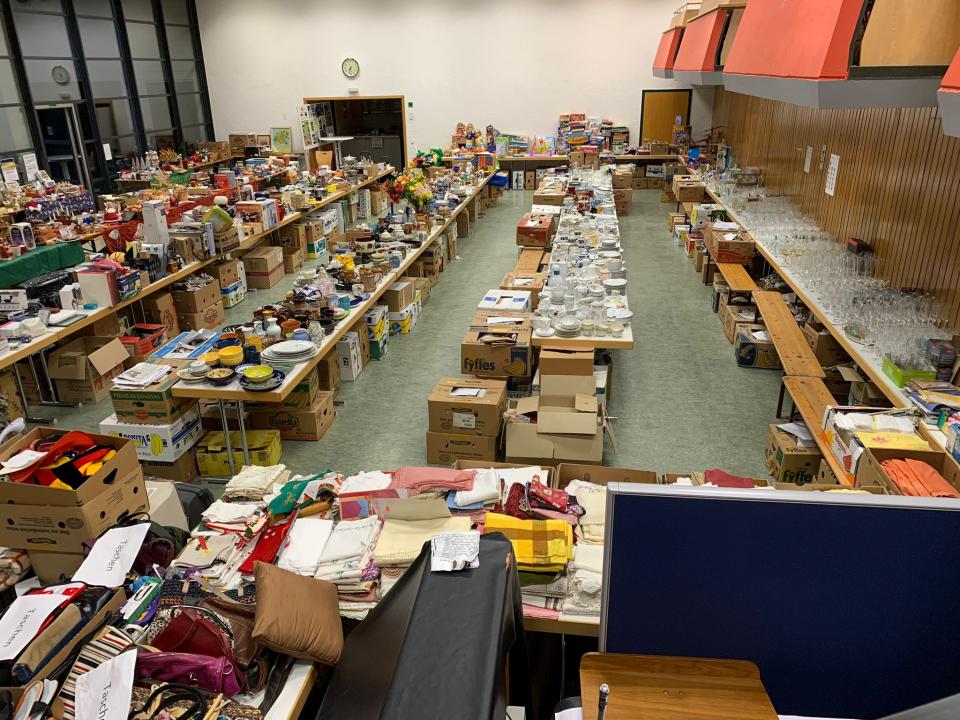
x,y
231,356
258,373
212,358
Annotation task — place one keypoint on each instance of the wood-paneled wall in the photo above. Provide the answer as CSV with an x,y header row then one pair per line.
x,y
898,184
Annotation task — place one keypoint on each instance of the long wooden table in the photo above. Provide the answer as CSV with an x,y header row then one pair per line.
x,y
794,352
738,280
811,399
234,393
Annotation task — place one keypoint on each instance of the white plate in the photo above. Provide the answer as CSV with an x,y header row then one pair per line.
x,y
620,313
615,283
544,333
291,347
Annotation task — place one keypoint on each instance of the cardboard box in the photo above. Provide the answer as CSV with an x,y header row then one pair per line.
x,y
870,472
687,188
401,323
60,520
622,179
600,475
263,266
754,352
568,414
348,352
196,301
82,369
399,295
11,407
226,273
824,345
233,295
293,261
143,339
211,317
328,373
529,180
516,301
729,247
534,230
532,282
152,405
525,443
378,348
789,463
566,362
467,406
267,280
447,448
624,195
549,196
158,442
844,444
732,317
159,309
183,469
306,424
511,359
263,446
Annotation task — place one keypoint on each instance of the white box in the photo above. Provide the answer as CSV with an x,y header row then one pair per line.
x,y
348,354
512,300
158,443
517,180
329,220
155,228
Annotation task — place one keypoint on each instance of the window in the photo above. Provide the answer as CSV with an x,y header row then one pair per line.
x,y
143,40
99,38
138,10
191,109
42,35
156,113
93,8
180,42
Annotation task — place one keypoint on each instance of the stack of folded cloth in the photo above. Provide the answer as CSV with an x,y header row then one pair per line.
x,y
401,541
592,498
239,518
309,495
366,482
253,482
916,478
543,593
347,562
14,564
586,581
303,545
484,493
539,545
205,551
423,479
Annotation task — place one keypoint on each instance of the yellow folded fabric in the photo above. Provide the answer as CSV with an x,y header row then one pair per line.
x,y
400,541
539,545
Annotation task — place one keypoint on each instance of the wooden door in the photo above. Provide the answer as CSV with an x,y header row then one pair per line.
x,y
659,112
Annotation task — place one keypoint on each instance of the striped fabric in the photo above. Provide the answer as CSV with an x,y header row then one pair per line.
x,y
110,643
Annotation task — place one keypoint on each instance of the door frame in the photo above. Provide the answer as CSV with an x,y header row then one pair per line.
x,y
403,112
76,137
643,105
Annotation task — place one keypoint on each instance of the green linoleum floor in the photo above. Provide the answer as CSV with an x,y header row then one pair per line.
x,y
681,403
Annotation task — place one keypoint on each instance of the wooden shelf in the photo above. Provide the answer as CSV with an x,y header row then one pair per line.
x,y
737,278
811,398
795,354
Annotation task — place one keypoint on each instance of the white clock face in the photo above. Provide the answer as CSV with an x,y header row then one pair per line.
x,y
61,76
350,68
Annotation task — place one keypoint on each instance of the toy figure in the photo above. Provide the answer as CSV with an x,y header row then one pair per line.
x,y
460,136
472,136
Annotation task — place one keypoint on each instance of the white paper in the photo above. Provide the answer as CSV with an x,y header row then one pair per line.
x,y
808,159
9,170
104,693
112,556
468,392
798,430
464,420
569,714
832,172
761,335
454,551
30,166
107,152
21,621
25,586
503,320
21,461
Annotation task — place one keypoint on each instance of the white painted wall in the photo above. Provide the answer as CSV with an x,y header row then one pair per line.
x,y
516,64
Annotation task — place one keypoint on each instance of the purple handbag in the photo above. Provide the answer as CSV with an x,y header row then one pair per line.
x,y
214,674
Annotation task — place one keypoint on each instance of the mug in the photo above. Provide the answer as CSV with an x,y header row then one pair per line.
x,y
358,289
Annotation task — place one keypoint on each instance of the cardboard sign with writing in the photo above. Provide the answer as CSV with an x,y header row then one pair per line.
x,y
112,556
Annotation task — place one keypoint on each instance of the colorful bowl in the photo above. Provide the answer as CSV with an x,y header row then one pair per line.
x,y
231,356
212,358
258,373
221,376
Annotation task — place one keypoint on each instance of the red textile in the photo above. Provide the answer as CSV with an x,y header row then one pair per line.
x,y
916,478
267,546
722,479
422,479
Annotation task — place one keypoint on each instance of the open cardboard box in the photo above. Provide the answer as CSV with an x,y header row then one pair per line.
x,y
83,368
556,361
582,442
549,470
870,472
601,475
479,414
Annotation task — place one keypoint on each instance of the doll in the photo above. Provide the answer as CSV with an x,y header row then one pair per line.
x,y
460,136
472,136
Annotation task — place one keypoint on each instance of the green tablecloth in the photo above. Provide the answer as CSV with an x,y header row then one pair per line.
x,y
39,261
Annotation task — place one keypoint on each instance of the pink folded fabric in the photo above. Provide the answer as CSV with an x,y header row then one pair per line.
x,y
722,479
430,478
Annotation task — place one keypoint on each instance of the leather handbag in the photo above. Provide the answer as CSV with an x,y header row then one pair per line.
x,y
217,674
191,630
241,618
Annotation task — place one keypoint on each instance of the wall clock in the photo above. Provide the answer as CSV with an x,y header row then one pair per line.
x,y
60,75
350,68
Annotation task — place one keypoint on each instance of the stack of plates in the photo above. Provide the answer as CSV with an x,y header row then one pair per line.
x,y
568,326
194,372
271,383
290,351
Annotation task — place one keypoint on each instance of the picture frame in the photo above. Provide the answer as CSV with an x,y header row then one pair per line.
x,y
281,139
264,142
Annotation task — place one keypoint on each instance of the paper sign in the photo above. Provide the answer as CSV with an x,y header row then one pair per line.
x,y
808,159
464,420
9,169
454,551
22,620
25,586
104,693
468,392
112,556
832,172
107,152
30,167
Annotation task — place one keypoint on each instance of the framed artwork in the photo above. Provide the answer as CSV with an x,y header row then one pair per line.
x,y
281,139
263,142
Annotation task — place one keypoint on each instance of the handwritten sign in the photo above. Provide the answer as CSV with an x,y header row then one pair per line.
x,y
104,693
22,620
112,556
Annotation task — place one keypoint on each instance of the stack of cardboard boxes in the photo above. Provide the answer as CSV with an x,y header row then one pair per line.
x,y
623,189
306,414
200,307
535,230
231,275
53,523
563,423
465,418
400,299
160,309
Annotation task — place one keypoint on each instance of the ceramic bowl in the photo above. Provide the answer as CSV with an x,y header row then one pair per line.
x,y
211,359
258,373
221,376
231,356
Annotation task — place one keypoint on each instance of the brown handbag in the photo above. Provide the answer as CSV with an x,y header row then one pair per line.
x,y
192,631
241,618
